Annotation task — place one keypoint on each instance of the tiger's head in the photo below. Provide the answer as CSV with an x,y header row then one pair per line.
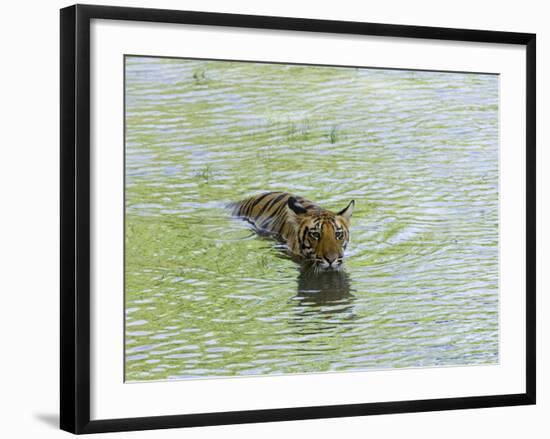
x,y
322,236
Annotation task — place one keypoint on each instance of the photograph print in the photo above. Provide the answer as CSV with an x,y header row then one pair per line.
x,y
297,219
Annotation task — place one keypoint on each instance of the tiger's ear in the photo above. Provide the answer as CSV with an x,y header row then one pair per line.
x,y
296,207
347,211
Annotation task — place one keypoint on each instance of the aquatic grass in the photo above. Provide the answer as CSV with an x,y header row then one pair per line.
x,y
333,134
298,130
199,76
205,174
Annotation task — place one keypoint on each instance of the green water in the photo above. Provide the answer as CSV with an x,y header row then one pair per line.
x,y
418,151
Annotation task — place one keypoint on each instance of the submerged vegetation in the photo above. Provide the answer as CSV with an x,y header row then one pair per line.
x,y
199,76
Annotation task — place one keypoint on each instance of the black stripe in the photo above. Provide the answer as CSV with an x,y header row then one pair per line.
x,y
260,198
271,217
278,200
243,208
271,203
265,223
279,218
306,228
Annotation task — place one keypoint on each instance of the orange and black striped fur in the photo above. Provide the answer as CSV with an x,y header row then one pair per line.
x,y
308,230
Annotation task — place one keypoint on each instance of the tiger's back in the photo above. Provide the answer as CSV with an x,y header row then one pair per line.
x,y
269,213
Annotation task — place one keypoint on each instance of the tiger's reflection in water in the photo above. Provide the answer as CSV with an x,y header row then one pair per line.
x,y
324,294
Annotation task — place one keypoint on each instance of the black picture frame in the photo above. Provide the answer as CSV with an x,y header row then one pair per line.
x,y
75,217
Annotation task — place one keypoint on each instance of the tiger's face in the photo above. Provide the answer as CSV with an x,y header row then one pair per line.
x,y
323,236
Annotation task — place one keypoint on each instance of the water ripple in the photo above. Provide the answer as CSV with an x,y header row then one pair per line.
x,y
418,151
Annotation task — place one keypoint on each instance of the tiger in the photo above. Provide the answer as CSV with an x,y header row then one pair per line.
x,y
308,231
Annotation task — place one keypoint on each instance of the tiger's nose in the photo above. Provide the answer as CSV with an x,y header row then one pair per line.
x,y
330,259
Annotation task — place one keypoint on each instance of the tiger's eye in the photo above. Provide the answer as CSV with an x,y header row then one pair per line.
x,y
339,235
315,235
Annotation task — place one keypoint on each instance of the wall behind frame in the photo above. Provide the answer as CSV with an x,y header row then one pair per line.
x,y
29,178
